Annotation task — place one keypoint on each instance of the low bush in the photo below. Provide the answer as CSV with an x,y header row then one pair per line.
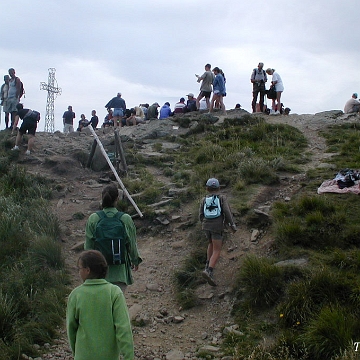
x,y
263,282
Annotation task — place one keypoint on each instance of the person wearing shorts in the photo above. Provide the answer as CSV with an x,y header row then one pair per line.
x,y
118,104
206,80
29,125
68,120
214,229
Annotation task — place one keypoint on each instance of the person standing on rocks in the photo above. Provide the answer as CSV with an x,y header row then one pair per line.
x,y
279,88
4,95
206,80
219,91
68,120
97,318
14,95
214,214
258,79
119,105
119,274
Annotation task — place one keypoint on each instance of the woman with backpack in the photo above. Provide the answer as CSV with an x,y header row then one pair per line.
x,y
122,255
214,214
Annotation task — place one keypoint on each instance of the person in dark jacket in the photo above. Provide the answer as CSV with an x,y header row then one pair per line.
x,y
118,104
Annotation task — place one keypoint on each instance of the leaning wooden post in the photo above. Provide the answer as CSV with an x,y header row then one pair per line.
x,y
121,151
114,171
92,152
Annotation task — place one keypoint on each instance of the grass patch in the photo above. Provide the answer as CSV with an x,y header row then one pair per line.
x,y
32,275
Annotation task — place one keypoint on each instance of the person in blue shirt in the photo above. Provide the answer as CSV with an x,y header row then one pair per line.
x,y
165,111
219,90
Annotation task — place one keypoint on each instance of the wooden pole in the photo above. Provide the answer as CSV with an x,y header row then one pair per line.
x,y
121,151
92,152
114,171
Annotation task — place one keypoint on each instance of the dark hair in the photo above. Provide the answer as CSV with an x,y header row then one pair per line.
x,y
109,196
208,65
95,261
216,69
167,103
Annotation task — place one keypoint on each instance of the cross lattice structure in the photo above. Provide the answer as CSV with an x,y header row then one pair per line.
x,y
53,90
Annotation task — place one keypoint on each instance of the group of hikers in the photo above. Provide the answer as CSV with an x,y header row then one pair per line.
x,y
97,319
211,95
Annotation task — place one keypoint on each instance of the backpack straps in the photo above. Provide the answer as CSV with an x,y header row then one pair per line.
x,y
101,214
119,214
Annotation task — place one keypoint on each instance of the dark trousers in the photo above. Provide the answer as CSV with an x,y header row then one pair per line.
x,y
256,90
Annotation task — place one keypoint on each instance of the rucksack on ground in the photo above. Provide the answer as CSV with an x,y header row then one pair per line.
x,y
111,238
212,207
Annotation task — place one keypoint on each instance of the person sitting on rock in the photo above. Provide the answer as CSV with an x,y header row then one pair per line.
x,y
190,103
83,122
136,116
352,105
180,106
165,111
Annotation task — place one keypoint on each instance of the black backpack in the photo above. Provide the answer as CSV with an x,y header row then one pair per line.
x,y
111,238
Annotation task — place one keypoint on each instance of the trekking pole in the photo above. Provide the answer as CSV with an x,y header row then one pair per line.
x,y
114,171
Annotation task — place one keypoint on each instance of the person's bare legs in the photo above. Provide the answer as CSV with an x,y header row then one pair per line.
x,y
214,250
278,97
213,100
31,142
207,102
198,101
273,104
222,105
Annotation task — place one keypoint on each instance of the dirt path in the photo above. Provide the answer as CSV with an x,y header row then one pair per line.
x,y
169,332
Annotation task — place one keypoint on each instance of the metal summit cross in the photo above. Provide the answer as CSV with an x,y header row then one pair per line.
x,y
52,90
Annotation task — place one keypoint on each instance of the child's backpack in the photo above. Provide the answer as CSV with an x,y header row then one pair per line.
x,y
111,238
212,207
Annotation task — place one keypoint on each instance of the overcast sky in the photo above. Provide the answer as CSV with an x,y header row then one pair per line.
x,y
151,50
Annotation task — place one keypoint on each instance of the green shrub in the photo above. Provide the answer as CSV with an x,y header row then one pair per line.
x,y
263,281
47,252
257,171
329,333
306,297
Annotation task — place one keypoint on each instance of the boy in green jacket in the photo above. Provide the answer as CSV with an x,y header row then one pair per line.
x,y
97,319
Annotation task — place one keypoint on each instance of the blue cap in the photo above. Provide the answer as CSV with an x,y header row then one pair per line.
x,y
213,183
355,95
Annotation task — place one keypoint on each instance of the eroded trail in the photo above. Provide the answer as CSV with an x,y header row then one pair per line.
x,y
167,331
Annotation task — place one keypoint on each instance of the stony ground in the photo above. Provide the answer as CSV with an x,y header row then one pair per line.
x,y
169,332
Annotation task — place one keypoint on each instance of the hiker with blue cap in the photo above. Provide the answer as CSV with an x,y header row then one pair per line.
x,y
352,105
215,215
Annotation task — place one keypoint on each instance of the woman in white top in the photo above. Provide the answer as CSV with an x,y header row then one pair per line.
x,y
279,87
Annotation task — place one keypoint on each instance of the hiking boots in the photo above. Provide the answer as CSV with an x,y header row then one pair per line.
x,y
207,274
27,152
